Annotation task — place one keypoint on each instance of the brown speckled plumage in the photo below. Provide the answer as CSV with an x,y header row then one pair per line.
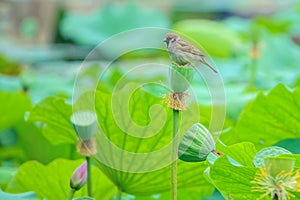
x,y
183,53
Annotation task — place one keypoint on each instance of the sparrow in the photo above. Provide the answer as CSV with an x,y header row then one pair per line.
x,y
183,53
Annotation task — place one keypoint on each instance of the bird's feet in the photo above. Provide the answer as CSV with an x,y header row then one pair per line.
x,y
178,65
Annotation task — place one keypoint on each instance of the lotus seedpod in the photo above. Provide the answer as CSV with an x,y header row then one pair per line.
x,y
275,165
84,124
258,160
206,175
196,144
180,77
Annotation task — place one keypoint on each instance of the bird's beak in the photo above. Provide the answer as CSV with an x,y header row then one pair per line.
x,y
165,40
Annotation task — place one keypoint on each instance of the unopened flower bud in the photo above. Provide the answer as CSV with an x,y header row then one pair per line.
x,y
79,177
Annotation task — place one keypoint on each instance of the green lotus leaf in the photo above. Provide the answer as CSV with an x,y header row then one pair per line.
x,y
207,33
135,141
271,117
277,165
268,152
97,26
55,115
84,198
134,147
184,193
233,181
22,196
6,174
13,106
34,146
52,181
239,154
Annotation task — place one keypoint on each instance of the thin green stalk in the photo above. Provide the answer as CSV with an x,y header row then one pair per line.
x,y
119,194
253,73
174,155
71,194
253,67
89,176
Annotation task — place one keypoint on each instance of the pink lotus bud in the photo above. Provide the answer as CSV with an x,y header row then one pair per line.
x,y
79,177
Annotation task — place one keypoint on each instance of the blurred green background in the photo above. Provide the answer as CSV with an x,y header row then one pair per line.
x,y
255,45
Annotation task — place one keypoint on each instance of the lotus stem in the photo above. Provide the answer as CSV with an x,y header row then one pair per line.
x,y
89,176
174,155
119,194
71,194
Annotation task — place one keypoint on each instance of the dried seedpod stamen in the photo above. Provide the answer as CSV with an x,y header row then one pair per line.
x,y
87,147
177,100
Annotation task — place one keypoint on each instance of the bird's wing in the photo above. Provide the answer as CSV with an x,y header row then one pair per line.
x,y
185,46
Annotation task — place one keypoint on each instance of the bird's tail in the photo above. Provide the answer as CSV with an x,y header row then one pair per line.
x,y
206,63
